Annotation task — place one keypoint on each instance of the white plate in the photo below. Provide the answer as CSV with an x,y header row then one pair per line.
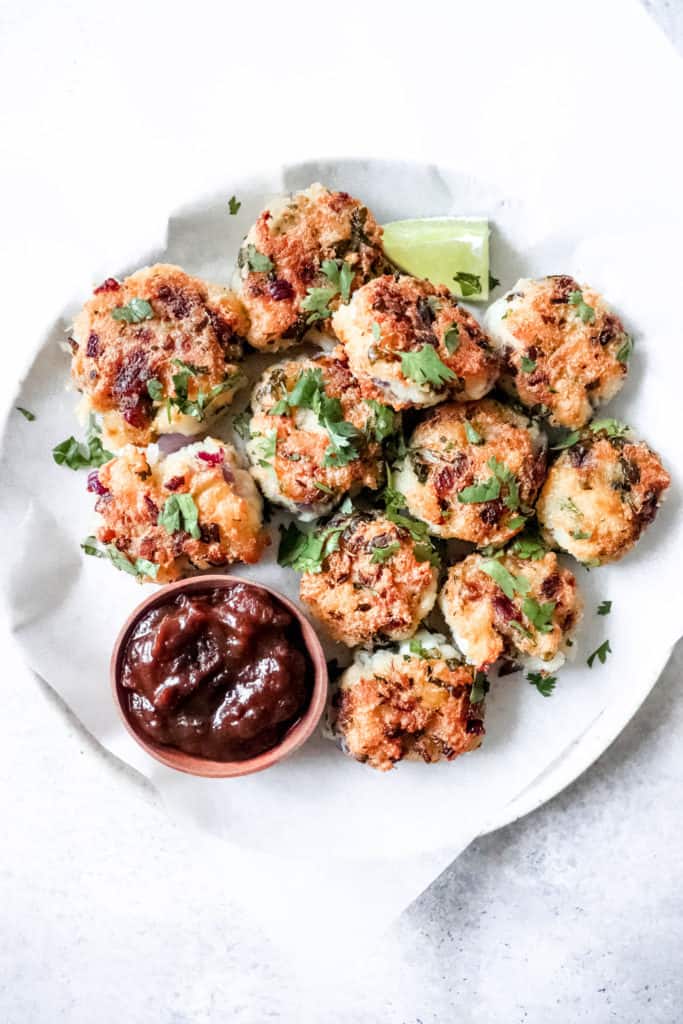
x,y
66,619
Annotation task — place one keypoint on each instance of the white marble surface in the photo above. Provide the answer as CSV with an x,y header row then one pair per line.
x,y
110,912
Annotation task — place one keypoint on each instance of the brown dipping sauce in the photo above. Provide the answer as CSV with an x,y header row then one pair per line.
x,y
221,674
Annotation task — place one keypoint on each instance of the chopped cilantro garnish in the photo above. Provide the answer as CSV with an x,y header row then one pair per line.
x,y
258,261
418,648
529,546
376,331
493,282
322,487
385,420
26,413
267,447
451,339
155,389
473,436
240,424
544,684
385,553
480,687
489,490
604,608
567,441
135,312
233,205
340,275
539,614
624,353
586,312
180,513
425,367
516,522
581,535
470,284
82,455
309,393
138,567
316,304
528,365
306,552
600,653
509,584
611,427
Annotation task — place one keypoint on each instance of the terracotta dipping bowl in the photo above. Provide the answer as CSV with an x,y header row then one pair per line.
x,y
191,763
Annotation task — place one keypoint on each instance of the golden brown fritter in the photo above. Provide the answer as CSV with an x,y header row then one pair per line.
x,y
282,260
601,493
396,705
292,454
409,343
373,587
472,471
532,626
181,318
134,491
565,351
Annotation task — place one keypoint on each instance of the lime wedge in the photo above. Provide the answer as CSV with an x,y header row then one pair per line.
x,y
446,250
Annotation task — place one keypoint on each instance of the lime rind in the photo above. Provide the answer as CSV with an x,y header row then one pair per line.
x,y
441,248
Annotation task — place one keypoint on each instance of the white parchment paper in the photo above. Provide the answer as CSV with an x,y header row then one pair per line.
x,y
365,842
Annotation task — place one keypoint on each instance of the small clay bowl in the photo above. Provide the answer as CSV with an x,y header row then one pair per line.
x,y
191,763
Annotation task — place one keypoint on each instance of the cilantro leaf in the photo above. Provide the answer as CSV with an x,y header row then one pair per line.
x,y
624,353
451,339
425,367
322,487
233,205
267,448
604,608
376,330
584,311
82,455
306,552
26,413
180,513
418,648
384,422
139,567
493,282
600,653
489,490
258,261
612,427
241,423
316,304
539,614
135,312
567,441
426,552
385,553
544,684
509,584
155,389
473,436
480,687
470,284
528,365
529,546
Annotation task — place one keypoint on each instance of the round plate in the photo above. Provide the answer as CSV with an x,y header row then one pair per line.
x,y
67,619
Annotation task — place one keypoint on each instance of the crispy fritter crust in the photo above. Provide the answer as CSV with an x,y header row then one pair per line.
x,y
408,314
361,601
600,495
201,324
290,477
441,463
485,622
227,501
575,364
313,226
397,707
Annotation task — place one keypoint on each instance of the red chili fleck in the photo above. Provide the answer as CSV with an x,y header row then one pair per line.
x,y
174,483
151,507
110,285
213,458
443,481
93,346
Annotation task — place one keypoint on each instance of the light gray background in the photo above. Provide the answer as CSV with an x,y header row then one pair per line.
x,y
111,913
